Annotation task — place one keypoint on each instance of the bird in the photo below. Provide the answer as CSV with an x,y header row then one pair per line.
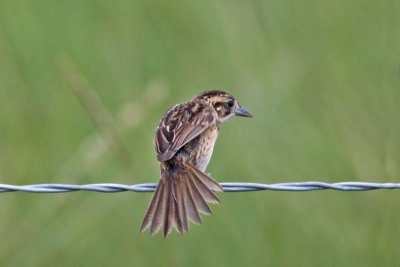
x,y
184,142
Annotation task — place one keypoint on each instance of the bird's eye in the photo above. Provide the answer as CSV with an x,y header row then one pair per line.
x,y
230,103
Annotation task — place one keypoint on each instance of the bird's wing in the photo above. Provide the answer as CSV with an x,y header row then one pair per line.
x,y
181,124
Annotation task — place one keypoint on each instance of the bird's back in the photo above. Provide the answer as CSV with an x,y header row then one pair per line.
x,y
187,132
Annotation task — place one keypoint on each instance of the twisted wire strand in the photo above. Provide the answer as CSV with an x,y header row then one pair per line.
x,y
228,187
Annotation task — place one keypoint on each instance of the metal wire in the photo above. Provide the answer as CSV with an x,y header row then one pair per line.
x,y
228,187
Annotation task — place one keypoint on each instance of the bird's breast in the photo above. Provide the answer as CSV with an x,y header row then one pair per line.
x,y
204,147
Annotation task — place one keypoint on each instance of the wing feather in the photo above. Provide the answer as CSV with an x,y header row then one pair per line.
x,y
180,125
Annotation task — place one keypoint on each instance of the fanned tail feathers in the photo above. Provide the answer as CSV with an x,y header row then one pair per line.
x,y
181,195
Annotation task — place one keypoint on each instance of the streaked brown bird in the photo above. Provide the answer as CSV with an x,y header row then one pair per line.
x,y
184,144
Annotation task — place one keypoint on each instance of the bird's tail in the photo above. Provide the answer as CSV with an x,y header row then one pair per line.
x,y
182,194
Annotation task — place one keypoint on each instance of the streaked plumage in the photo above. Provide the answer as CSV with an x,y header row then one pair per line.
x,y
184,144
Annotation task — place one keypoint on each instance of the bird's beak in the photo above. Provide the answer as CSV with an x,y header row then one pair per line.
x,y
240,111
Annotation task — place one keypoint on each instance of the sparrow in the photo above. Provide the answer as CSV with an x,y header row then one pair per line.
x,y
184,142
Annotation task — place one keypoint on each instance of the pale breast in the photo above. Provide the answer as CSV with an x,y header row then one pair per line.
x,y
205,147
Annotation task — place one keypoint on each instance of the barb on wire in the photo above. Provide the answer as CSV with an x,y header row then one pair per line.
x,y
228,187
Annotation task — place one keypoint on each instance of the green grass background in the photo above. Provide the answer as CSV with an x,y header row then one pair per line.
x,y
321,78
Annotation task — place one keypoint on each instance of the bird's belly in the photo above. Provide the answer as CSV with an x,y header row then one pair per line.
x,y
205,147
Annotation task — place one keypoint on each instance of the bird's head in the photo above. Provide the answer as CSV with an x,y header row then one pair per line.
x,y
224,104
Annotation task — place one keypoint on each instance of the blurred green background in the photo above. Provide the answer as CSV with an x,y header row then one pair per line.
x,y
83,85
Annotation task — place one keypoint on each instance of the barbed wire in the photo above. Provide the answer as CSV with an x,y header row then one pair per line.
x,y
228,187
